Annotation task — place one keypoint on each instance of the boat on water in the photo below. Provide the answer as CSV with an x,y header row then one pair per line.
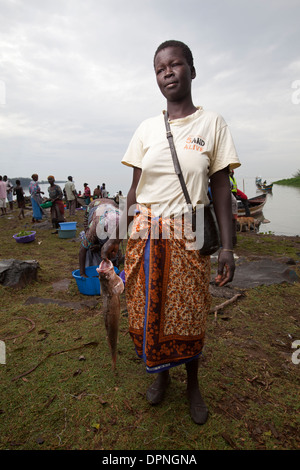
x,y
256,205
263,186
266,187
258,180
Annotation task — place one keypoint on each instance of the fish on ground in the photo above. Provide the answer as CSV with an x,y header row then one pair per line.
x,y
112,287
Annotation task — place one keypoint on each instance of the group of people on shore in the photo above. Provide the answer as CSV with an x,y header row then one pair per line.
x,y
56,195
99,192
7,191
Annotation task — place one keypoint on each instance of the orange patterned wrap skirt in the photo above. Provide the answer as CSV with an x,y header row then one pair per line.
x,y
167,293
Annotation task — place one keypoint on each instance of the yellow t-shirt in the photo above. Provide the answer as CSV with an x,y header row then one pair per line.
x,y
203,144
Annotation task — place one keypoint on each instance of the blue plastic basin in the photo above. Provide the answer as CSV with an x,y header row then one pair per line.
x,y
89,285
68,225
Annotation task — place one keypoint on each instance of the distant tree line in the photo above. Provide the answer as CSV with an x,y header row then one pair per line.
x,y
295,181
26,181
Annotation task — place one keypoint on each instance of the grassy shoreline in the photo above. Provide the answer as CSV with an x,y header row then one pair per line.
x,y
70,399
289,182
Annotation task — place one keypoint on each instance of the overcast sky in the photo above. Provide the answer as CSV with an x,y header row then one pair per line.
x,y
76,78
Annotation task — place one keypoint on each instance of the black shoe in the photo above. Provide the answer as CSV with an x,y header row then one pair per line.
x,y
198,409
156,392
199,413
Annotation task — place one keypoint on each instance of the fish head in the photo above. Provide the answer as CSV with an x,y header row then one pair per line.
x,y
107,275
105,267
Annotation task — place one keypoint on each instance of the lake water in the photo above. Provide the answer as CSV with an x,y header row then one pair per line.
x,y
282,208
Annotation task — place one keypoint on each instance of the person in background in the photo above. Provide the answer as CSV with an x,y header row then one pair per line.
x,y
233,183
57,208
87,194
2,196
117,197
100,219
36,198
97,193
234,219
239,195
104,191
167,282
19,192
70,195
9,192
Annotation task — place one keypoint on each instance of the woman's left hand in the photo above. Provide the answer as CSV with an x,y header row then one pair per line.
x,y
226,268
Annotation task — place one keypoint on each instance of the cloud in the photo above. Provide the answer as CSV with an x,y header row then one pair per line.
x,y
77,78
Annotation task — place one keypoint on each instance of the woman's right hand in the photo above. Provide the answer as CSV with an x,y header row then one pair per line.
x,y
226,267
110,249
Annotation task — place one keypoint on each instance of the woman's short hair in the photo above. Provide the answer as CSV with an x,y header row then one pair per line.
x,y
173,43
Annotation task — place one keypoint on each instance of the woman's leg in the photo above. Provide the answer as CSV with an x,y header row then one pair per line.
x,y
198,409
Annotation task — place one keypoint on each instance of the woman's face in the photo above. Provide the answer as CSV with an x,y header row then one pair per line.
x,y
173,74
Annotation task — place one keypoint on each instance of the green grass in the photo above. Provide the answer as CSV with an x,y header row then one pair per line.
x,y
58,391
267,244
290,182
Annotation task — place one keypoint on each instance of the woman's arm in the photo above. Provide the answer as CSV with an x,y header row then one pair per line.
x,y
221,195
111,247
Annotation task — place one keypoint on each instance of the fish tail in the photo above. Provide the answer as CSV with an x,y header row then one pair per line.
x,y
114,361
113,351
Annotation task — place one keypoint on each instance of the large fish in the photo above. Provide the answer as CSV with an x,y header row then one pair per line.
x,y
111,288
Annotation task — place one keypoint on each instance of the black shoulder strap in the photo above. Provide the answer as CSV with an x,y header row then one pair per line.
x,y
175,159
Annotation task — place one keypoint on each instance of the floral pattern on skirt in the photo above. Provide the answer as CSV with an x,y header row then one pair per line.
x,y
167,293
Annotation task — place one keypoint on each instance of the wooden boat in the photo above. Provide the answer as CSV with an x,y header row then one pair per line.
x,y
256,205
263,186
266,187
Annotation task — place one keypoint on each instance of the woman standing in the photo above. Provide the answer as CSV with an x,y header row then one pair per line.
x,y
57,208
167,283
36,198
19,192
87,194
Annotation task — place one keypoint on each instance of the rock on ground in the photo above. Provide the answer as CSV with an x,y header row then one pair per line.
x,y
17,273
